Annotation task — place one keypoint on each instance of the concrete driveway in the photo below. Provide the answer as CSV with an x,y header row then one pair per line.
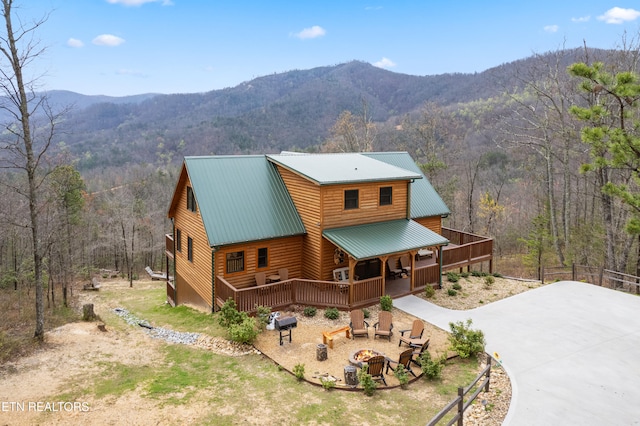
x,y
572,351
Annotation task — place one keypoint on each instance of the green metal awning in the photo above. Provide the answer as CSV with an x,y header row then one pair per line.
x,y
383,238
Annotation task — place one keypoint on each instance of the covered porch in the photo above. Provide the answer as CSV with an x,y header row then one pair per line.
x,y
357,292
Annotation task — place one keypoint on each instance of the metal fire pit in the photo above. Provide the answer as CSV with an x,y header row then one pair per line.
x,y
360,357
284,326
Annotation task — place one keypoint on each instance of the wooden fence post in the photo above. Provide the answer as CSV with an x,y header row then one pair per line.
x,y
573,271
460,405
489,359
600,278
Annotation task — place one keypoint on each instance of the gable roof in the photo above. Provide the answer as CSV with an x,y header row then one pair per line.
x,y
425,201
241,198
330,169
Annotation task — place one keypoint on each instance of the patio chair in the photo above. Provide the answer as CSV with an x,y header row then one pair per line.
x,y
392,266
404,359
261,278
284,274
415,333
376,368
405,262
419,351
359,327
384,326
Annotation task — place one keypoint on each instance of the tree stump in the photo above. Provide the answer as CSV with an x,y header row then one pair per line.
x,y
87,312
351,376
102,326
321,352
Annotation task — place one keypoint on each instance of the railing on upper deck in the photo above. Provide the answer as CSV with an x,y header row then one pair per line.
x,y
168,245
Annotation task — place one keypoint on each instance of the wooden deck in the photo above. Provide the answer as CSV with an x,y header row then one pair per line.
x,y
465,250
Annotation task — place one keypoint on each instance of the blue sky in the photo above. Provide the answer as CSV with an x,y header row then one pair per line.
x,y
126,47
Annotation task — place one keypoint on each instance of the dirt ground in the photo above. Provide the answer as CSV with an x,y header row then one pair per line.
x,y
76,350
308,334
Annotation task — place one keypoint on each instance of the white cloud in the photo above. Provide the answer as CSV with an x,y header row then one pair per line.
x,y
74,42
313,32
107,40
551,29
618,15
581,19
384,63
140,2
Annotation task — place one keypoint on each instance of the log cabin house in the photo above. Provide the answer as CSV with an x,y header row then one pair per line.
x,y
328,230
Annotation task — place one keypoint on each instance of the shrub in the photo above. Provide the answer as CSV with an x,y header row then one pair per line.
x,y
457,286
332,313
309,311
464,274
431,369
464,340
497,274
327,384
229,314
368,384
298,371
386,303
366,313
262,315
401,374
429,291
489,281
452,277
478,274
452,292
244,332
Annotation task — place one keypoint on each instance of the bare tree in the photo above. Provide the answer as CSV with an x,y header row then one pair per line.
x,y
353,133
23,147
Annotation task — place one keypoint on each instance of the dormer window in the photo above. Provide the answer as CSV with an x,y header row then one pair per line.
x,y
351,199
386,198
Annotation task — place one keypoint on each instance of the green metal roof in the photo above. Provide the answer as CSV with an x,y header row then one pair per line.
x,y
242,198
383,238
425,201
329,169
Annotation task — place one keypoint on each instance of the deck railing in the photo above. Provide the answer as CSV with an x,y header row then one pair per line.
x,y
466,250
168,245
279,295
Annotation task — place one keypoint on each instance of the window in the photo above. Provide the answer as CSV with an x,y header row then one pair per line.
x,y
178,240
263,258
191,200
190,249
350,199
235,262
386,196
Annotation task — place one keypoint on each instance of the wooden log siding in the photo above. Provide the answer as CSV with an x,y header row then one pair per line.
x,y
193,278
282,253
334,214
434,223
306,197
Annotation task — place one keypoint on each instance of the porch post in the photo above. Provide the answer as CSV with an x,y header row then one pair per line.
x,y
413,270
351,269
440,265
383,259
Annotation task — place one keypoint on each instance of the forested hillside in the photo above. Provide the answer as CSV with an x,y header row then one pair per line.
x,y
293,110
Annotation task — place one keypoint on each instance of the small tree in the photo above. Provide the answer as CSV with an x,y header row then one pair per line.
x,y
464,340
